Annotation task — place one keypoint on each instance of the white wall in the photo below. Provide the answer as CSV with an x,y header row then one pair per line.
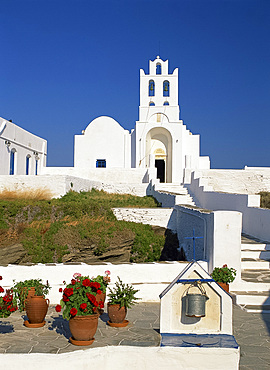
x,y
128,357
59,185
250,180
24,144
221,232
255,219
164,217
105,139
150,278
106,175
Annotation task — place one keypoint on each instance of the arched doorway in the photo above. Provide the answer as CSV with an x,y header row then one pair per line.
x,y
159,147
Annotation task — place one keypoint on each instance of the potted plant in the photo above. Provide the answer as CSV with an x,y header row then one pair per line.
x,y
8,303
80,306
121,297
30,295
223,276
24,289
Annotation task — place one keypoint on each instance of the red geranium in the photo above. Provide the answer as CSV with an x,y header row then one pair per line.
x,y
91,297
58,308
73,281
7,298
95,285
86,282
83,306
99,291
1,278
68,291
60,290
1,290
73,311
65,298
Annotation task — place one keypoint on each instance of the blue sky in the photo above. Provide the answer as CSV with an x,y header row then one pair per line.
x,y
64,63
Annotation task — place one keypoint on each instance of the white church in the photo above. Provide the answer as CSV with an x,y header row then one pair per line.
x,y
159,140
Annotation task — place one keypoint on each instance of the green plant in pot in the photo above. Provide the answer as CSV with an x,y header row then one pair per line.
x,y
30,295
24,289
223,276
80,303
8,303
121,297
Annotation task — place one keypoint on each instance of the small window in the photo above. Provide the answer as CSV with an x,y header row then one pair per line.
x,y
166,88
151,103
27,164
158,69
166,103
101,163
151,88
12,162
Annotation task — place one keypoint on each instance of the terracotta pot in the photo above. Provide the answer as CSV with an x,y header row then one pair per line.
x,y
101,297
83,329
23,296
36,309
116,313
225,286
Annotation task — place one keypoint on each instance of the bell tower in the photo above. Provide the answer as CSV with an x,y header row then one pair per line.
x,y
159,91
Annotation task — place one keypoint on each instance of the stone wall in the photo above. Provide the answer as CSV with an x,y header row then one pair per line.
x,y
220,232
150,278
250,180
59,185
164,217
255,219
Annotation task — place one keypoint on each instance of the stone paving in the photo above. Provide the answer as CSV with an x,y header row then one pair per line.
x,y
251,332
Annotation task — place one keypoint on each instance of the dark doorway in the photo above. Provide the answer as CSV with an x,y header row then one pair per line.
x,y
160,165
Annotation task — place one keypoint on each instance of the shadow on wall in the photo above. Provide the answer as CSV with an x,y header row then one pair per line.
x,y
171,251
266,316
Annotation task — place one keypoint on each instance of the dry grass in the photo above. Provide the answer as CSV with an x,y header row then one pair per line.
x,y
35,194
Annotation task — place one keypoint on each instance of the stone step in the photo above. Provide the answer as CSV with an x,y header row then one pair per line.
x,y
265,309
251,298
173,191
180,199
254,264
168,188
255,246
261,254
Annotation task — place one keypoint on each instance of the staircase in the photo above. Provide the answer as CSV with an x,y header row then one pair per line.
x,y
254,295
181,193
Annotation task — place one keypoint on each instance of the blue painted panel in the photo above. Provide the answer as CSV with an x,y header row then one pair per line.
x,y
198,340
